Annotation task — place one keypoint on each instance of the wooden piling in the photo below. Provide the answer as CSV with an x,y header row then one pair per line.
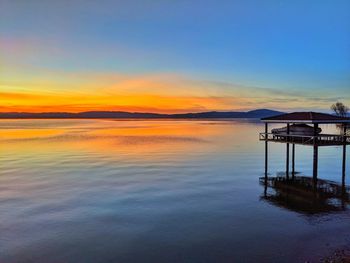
x,y
266,150
315,162
344,155
287,154
293,160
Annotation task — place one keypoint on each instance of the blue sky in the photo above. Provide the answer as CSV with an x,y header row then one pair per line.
x,y
283,46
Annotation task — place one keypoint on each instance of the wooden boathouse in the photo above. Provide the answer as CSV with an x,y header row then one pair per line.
x,y
315,139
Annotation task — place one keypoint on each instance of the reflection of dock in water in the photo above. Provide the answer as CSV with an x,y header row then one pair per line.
x,y
304,195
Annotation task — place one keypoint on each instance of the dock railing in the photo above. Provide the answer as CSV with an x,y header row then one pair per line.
x,y
320,139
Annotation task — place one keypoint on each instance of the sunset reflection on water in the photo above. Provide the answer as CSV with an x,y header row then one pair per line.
x,y
114,190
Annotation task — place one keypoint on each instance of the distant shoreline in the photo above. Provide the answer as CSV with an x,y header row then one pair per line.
x,y
255,114
138,119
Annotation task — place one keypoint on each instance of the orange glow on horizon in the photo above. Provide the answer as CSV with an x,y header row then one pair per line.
x,y
145,103
73,102
163,93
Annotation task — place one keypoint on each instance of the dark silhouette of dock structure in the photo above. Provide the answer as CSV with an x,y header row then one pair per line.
x,y
315,139
303,196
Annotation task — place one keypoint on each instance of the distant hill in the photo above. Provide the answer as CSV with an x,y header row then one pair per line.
x,y
260,113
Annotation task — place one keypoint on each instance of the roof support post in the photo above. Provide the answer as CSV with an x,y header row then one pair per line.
x,y
315,161
266,150
287,153
344,155
293,161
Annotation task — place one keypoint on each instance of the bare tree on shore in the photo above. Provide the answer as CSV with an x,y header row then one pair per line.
x,y
340,109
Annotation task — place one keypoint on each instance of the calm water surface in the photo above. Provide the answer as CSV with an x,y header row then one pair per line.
x,y
154,191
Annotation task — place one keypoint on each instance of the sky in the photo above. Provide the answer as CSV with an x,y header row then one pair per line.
x,y
173,56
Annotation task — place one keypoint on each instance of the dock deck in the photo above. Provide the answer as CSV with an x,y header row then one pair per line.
x,y
318,140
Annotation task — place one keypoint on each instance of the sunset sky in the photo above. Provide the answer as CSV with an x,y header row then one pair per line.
x,y
173,56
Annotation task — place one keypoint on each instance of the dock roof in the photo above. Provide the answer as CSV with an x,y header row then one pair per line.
x,y
306,117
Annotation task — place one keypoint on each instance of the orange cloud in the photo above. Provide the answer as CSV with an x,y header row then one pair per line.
x,y
138,103
89,92
47,91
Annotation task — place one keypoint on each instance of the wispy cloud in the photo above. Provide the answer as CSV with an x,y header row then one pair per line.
x,y
47,90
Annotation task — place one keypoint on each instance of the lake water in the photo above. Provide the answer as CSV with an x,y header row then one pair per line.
x,y
155,191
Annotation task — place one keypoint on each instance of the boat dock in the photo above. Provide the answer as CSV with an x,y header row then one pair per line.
x,y
308,138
